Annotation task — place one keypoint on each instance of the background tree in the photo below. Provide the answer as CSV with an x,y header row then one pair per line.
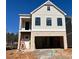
x,y
11,38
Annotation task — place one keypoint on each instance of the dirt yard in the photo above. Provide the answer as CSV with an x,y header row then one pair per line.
x,y
40,54
13,54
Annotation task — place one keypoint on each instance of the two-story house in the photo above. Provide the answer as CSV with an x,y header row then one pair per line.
x,y
43,28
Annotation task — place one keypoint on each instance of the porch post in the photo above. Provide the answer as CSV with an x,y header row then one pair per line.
x,y
65,42
19,36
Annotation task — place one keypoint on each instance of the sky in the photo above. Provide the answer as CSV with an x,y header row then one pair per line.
x,y
15,7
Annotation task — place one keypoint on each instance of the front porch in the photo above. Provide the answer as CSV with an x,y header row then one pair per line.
x,y
25,41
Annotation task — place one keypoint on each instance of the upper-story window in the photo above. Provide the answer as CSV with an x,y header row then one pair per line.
x,y
48,8
59,21
37,21
48,22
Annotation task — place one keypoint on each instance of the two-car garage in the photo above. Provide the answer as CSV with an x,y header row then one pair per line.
x,y
47,42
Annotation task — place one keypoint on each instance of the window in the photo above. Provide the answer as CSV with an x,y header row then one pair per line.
x,y
48,8
26,38
37,21
59,21
48,22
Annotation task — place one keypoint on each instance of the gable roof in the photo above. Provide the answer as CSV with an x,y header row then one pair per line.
x,y
48,3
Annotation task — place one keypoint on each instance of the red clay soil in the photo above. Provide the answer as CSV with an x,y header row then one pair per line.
x,y
13,54
18,55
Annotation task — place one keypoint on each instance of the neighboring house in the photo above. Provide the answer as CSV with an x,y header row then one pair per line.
x,y
43,28
69,30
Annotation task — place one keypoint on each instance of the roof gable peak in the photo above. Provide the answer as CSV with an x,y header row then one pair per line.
x,y
48,2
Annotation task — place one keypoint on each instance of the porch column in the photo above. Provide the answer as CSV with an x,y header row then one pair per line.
x,y
32,42
19,36
65,42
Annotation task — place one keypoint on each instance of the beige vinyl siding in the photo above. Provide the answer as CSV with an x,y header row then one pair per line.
x,y
53,14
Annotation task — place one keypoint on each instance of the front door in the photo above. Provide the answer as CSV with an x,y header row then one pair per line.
x,y
27,26
26,41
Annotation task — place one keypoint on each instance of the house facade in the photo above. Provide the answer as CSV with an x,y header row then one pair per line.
x,y
43,28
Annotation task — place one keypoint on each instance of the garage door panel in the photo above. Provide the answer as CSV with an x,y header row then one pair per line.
x,y
48,42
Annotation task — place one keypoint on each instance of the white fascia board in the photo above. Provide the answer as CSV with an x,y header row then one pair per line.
x,y
58,8
25,16
37,8
52,4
